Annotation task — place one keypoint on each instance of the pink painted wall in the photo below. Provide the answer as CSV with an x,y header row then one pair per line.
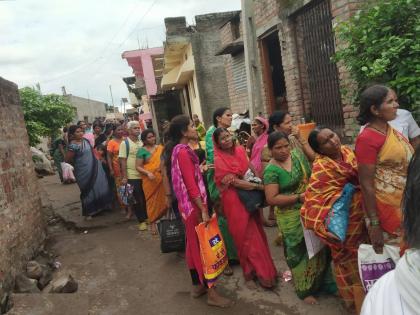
x,y
141,62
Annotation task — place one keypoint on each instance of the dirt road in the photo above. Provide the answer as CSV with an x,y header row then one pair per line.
x,y
121,271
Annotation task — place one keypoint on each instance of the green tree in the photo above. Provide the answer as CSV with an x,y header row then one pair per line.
x,y
382,45
44,114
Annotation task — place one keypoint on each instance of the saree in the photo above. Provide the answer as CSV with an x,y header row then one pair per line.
x,y
91,179
154,190
258,147
246,229
390,177
215,196
187,180
113,147
325,186
313,275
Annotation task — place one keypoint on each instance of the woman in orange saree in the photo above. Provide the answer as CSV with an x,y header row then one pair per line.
x,y
335,166
148,164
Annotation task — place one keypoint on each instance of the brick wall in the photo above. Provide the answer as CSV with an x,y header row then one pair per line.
x,y
21,217
238,98
265,10
341,11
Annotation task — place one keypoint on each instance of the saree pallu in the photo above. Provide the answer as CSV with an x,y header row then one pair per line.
x,y
91,179
215,196
154,190
390,177
325,186
246,229
310,275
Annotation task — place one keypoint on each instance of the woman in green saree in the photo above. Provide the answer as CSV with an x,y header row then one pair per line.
x,y
285,178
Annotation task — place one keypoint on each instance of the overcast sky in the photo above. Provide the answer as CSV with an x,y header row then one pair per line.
x,y
78,43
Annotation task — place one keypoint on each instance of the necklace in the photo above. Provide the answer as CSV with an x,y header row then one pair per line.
x,y
379,130
286,165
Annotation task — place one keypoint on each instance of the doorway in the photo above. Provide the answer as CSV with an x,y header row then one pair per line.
x,y
273,72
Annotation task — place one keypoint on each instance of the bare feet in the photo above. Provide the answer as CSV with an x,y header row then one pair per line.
x,y
198,290
153,228
228,271
215,299
310,300
250,284
269,223
129,214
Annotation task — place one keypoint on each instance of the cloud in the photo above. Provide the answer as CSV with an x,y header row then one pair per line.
x,y
78,43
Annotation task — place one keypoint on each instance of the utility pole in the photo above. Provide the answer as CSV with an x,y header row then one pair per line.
x,y
110,91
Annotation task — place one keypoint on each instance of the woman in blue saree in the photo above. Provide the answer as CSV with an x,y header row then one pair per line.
x,y
90,176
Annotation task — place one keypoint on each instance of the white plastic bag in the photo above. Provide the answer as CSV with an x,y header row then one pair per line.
x,y
372,266
68,175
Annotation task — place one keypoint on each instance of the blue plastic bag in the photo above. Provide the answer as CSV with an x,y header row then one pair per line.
x,y
337,220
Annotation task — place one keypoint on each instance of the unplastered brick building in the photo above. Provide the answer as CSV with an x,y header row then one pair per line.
x,y
22,228
287,48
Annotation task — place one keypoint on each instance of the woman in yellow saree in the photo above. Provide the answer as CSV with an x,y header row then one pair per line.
x,y
148,164
383,155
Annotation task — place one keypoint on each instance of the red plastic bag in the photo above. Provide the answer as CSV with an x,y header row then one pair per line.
x,y
212,250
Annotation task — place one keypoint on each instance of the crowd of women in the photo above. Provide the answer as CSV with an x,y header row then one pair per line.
x,y
299,178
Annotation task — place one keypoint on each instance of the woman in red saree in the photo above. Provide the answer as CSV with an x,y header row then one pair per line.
x,y
335,166
231,164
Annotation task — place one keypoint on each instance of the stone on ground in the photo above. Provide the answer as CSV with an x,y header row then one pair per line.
x,y
64,284
25,285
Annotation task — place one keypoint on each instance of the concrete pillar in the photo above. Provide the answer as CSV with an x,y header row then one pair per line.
x,y
252,65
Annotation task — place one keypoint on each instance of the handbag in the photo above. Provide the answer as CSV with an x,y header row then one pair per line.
x,y
126,194
172,234
251,199
337,220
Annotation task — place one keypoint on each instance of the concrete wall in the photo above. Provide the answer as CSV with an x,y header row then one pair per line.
x,y
86,107
21,218
210,69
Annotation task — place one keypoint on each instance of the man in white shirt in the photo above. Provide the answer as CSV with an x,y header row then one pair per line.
x,y
406,124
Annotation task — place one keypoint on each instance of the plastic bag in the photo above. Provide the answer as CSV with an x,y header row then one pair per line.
x,y
337,220
212,250
372,266
126,194
67,170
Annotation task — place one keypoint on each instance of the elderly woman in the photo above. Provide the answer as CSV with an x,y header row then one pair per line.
x,y
90,175
286,178
231,164
383,155
335,166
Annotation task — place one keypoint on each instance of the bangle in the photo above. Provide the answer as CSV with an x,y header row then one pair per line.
x,y
374,222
